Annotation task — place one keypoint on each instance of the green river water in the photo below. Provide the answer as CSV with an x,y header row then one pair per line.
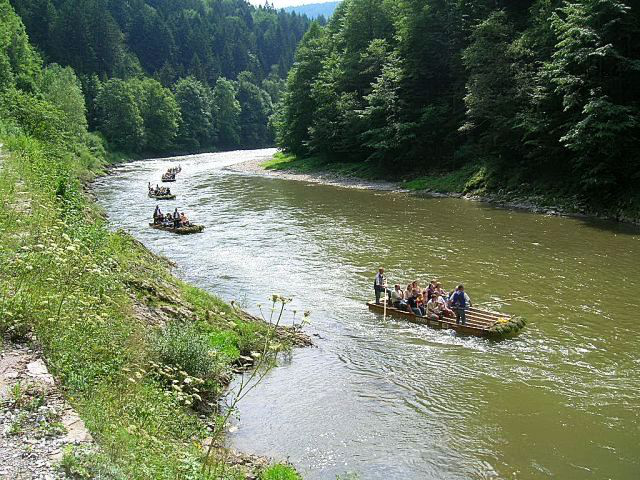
x,y
390,400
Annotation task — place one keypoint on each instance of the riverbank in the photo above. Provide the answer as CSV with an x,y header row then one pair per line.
x,y
140,356
466,183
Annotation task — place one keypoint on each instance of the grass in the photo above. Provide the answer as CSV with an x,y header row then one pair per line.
x,y
72,286
280,472
288,162
468,178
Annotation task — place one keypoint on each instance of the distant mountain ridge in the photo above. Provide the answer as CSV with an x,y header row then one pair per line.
x,y
314,10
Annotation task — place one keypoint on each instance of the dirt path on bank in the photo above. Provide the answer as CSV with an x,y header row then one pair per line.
x,y
36,423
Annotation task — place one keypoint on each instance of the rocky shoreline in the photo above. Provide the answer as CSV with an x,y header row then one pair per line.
x,y
507,200
323,178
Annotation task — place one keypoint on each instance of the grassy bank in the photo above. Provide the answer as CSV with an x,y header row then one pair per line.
x,y
287,162
141,356
471,179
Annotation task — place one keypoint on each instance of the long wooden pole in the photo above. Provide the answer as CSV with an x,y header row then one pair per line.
x,y
384,291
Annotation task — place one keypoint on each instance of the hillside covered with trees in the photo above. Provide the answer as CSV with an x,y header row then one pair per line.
x,y
534,95
170,75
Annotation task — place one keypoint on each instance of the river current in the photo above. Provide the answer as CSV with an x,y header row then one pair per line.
x,y
389,400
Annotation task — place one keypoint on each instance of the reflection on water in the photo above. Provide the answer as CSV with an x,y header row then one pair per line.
x,y
392,400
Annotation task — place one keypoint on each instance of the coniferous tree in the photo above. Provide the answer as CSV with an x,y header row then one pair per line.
x,y
227,118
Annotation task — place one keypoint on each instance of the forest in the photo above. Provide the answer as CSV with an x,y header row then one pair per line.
x,y
162,76
528,95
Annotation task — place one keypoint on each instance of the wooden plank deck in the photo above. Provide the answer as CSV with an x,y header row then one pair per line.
x,y
478,321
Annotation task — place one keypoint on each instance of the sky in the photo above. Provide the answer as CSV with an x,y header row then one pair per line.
x,y
287,3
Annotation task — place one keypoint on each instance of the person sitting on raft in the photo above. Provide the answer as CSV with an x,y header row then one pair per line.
x,y
397,298
460,301
184,221
430,289
412,302
422,305
437,307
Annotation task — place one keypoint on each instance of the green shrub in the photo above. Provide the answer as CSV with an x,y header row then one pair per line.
x,y
226,342
182,345
80,463
280,472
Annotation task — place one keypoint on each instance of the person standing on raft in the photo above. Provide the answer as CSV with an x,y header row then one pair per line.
x,y
379,284
460,301
176,219
157,215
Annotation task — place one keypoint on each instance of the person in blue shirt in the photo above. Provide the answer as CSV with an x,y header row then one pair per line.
x,y
460,301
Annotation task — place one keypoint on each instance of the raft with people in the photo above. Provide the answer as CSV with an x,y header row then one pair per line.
x,y
162,197
449,310
170,175
160,193
175,222
480,323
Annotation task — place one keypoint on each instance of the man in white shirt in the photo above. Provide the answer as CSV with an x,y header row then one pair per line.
x,y
397,298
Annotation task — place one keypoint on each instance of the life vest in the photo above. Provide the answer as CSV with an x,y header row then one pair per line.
x,y
459,299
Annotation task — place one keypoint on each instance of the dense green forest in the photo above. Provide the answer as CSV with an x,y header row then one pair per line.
x,y
170,75
524,95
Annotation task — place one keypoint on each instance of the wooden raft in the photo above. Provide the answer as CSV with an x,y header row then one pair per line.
x,y
479,322
181,230
162,197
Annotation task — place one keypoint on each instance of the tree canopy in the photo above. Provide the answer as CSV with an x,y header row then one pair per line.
x,y
168,58
539,92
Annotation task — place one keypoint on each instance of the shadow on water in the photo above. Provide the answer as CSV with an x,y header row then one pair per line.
x,y
616,228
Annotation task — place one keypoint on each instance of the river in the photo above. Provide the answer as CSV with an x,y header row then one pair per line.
x,y
389,400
